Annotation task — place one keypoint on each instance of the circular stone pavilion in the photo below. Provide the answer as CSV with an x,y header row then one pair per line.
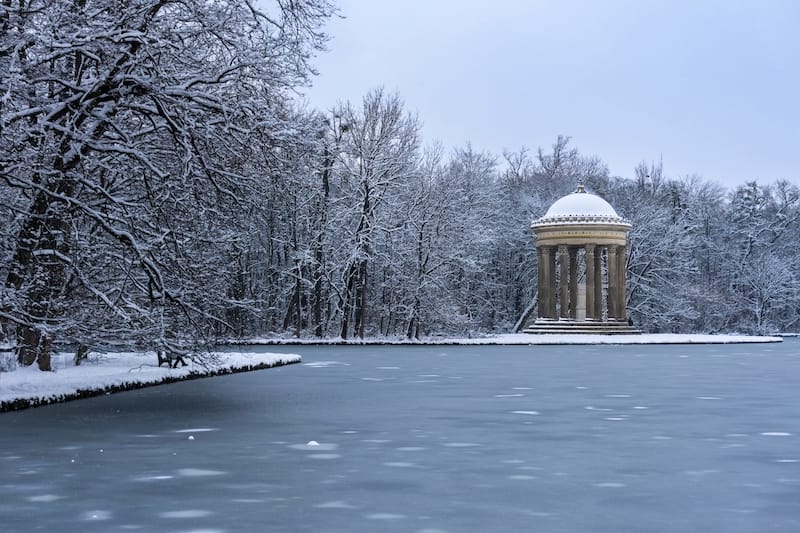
x,y
581,245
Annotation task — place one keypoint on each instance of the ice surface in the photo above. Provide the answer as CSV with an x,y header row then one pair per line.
x,y
398,456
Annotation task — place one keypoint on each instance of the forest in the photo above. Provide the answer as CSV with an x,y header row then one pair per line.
x,y
164,186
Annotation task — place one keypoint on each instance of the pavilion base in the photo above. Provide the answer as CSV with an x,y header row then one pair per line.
x,y
578,327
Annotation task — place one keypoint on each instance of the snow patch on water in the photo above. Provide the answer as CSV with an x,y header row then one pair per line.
x,y
314,446
196,430
776,434
96,516
186,513
153,478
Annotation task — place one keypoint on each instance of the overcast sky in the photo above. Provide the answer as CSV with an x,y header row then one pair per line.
x,y
713,87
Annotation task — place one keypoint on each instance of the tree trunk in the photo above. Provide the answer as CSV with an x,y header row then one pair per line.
x,y
361,300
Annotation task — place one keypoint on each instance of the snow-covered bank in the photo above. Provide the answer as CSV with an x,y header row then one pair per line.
x,y
528,339
115,372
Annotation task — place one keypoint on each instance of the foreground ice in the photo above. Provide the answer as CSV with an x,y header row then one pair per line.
x,y
527,438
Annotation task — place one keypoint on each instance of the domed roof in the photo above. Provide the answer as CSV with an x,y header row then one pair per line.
x,y
580,207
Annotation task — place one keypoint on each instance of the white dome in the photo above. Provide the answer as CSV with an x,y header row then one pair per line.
x,y
580,206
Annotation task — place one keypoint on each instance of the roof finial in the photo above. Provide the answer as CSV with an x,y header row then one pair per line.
x,y
581,188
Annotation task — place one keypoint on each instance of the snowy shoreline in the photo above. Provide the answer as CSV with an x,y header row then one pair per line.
x,y
118,372
524,339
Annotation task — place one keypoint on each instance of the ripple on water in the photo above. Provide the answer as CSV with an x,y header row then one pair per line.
x,y
324,456
196,430
324,364
336,504
776,434
186,513
384,516
199,472
44,498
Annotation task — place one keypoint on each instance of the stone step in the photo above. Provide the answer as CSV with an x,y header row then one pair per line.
x,y
558,327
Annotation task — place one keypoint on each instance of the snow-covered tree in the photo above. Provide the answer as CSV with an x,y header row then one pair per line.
x,y
378,154
126,130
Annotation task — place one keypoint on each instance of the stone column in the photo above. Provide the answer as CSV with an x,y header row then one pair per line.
x,y
546,283
598,284
573,283
540,281
622,299
563,283
551,282
589,260
613,281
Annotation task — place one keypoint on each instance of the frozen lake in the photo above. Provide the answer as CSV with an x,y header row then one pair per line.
x,y
427,439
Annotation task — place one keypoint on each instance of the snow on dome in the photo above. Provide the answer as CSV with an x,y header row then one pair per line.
x,y
580,206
